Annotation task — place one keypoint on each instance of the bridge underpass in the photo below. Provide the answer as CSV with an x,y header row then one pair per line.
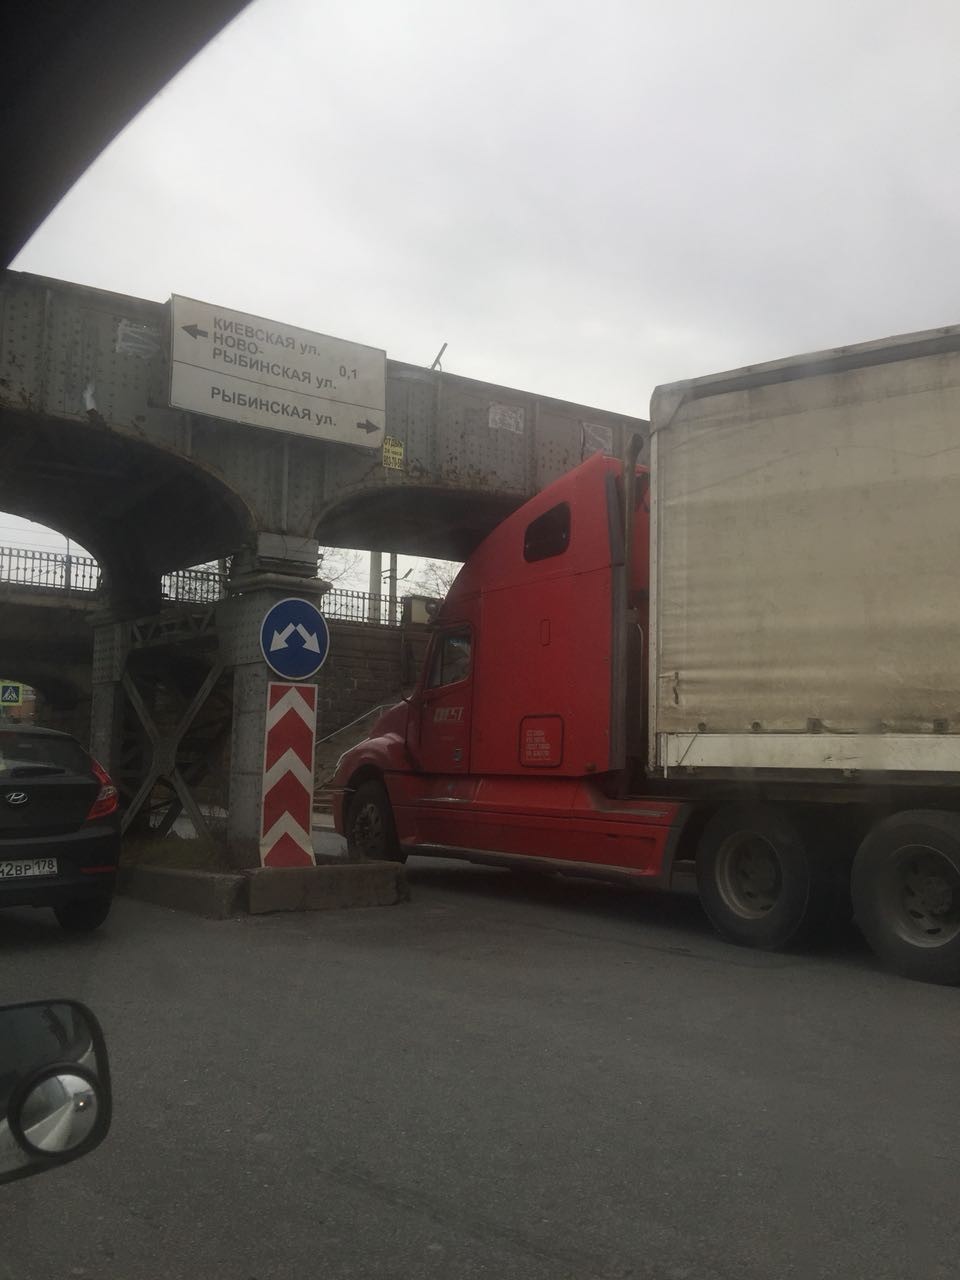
x,y
49,607
46,641
90,446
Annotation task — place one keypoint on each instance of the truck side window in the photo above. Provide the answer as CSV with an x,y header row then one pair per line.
x,y
451,659
548,535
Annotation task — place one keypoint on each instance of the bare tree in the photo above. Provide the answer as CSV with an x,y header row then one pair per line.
x,y
339,565
434,577
344,567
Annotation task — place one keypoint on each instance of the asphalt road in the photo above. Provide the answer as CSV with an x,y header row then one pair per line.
x,y
499,1079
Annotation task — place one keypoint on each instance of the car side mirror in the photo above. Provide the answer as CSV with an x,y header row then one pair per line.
x,y
55,1100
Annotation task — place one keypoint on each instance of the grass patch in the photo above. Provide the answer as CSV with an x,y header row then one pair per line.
x,y
182,855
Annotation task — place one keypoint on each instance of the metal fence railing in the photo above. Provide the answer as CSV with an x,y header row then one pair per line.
x,y
341,605
80,575
194,586
48,570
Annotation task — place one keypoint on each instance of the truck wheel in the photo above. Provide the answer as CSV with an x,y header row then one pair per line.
x,y
371,832
906,894
760,880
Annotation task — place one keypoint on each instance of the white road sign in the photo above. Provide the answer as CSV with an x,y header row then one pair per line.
x,y
230,365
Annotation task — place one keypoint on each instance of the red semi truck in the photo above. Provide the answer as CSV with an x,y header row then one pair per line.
x,y
734,667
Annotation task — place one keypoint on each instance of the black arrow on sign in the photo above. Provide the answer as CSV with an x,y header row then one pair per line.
x,y
367,426
194,331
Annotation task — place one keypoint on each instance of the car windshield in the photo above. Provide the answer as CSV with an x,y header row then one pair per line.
x,y
479,680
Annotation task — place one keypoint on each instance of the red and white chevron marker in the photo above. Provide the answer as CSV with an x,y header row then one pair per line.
x,y
285,839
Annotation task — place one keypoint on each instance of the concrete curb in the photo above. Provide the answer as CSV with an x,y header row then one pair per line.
x,y
326,888
216,895
220,895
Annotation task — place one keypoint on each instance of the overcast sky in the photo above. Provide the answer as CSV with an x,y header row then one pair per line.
x,y
582,200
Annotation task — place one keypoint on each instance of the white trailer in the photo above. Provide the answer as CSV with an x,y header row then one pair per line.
x,y
805,633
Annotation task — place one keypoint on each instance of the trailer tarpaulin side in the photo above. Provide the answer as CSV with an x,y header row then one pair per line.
x,y
806,561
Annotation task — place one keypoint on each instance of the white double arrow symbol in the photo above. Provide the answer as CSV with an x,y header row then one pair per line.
x,y
309,638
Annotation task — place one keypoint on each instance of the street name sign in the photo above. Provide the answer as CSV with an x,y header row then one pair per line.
x,y
230,365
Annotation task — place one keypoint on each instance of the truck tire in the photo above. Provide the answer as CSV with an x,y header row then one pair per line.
x,y
371,832
906,894
763,880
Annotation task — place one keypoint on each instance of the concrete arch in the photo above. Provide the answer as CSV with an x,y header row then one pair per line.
x,y
417,520
140,509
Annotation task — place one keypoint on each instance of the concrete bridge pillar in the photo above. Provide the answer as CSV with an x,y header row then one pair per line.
x,y
186,640
106,705
282,566
130,591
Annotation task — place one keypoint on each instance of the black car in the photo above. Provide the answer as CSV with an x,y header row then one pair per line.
x,y
59,827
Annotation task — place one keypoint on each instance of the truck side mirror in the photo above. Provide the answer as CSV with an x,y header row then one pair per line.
x,y
55,1100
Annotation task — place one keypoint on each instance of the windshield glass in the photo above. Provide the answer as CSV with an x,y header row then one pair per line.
x,y
33,752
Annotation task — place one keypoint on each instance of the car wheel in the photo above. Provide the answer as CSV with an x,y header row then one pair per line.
x,y
906,894
83,916
763,880
371,832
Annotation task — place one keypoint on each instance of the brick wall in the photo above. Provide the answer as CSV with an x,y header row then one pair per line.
x,y
367,665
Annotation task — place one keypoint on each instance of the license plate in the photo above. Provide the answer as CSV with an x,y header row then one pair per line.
x,y
16,870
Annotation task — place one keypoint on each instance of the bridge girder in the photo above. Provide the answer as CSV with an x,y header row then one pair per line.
x,y
90,445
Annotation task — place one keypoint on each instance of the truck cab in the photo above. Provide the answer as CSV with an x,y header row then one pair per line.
x,y
524,735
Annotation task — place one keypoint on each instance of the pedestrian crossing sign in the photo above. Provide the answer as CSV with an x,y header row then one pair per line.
x,y
11,694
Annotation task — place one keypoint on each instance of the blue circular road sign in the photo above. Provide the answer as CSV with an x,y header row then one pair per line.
x,y
294,639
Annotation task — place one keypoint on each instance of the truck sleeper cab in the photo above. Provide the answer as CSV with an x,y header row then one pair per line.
x,y
513,747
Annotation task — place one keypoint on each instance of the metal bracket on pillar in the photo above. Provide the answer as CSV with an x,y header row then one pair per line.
x,y
163,764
